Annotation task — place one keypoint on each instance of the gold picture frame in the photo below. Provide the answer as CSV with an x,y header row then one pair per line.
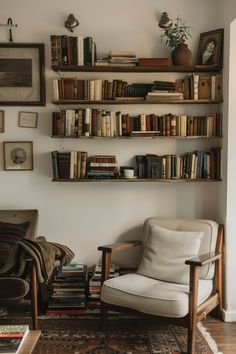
x,y
2,121
28,119
22,74
18,155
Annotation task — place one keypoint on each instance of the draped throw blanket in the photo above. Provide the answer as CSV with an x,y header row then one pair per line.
x,y
43,253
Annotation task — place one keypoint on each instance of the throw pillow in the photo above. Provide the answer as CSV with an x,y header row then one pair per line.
x,y
165,253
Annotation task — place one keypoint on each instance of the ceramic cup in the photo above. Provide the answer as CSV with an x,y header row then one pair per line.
x,y
129,173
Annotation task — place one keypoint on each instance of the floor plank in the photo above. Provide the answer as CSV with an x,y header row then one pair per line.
x,y
224,334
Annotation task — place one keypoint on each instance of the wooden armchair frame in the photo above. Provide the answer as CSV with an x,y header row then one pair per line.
x,y
196,313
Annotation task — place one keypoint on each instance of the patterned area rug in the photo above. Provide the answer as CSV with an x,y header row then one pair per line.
x,y
167,339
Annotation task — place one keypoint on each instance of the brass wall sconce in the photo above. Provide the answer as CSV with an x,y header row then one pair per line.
x,y
165,21
71,22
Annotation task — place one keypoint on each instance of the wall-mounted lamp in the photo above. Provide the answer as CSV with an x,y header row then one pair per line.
x,y
71,22
165,21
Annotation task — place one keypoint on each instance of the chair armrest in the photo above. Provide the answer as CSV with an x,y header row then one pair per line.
x,y
203,259
107,251
119,246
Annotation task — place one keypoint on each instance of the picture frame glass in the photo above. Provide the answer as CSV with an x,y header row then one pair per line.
x,y
18,155
22,74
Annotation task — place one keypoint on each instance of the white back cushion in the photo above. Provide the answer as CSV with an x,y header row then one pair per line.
x,y
165,253
208,244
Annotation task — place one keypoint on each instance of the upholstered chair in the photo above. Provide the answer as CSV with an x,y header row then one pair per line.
x,y
179,278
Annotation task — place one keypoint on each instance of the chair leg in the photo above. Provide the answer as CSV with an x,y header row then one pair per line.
x,y
103,316
34,297
193,297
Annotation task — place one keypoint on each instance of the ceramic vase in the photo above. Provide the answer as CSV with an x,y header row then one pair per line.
x,y
181,55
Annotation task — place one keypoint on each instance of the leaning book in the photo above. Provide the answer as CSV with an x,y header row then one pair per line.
x,y
12,338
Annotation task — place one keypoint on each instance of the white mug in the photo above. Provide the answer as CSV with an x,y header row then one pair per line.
x,y
129,173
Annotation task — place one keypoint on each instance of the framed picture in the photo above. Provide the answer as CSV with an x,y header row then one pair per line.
x,y
22,78
210,48
28,119
18,155
2,121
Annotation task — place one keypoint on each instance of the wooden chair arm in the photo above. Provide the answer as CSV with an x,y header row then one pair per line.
x,y
107,251
203,259
119,246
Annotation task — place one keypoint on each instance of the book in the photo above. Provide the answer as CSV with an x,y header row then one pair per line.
x,y
153,61
204,90
12,338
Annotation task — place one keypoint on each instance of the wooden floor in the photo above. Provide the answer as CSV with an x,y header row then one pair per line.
x,y
224,334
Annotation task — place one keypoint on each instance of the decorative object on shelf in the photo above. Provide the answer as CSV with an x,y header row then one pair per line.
x,y
9,25
165,21
22,79
2,121
71,22
210,48
28,119
18,155
175,33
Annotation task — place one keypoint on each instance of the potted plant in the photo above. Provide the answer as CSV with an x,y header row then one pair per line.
x,y
175,35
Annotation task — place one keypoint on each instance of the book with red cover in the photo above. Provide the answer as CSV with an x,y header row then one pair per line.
x,y
153,61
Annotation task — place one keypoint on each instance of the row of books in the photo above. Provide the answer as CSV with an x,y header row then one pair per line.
x,y
72,50
201,87
96,90
69,288
191,165
76,165
102,123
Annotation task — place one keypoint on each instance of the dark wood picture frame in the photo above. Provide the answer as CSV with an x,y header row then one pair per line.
x,y
22,74
210,48
18,155
2,121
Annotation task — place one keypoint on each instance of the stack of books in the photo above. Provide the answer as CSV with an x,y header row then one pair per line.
x,y
69,165
69,290
94,301
12,338
122,58
103,166
164,90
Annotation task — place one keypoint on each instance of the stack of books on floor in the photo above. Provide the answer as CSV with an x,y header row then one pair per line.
x,y
69,290
12,338
94,301
103,166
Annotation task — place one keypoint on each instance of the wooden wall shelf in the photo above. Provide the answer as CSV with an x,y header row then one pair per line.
x,y
136,69
132,180
119,102
135,137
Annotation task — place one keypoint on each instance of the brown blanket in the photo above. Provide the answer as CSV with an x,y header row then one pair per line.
x,y
44,254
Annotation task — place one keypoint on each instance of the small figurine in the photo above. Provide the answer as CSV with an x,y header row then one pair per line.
x,y
71,22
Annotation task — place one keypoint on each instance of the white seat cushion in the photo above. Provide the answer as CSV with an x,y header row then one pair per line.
x,y
151,296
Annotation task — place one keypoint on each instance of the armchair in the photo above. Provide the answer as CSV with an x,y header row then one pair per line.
x,y
179,278
15,225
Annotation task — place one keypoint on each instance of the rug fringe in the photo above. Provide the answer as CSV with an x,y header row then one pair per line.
x,y
209,339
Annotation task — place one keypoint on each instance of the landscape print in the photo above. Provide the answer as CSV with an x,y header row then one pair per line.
x,y
15,72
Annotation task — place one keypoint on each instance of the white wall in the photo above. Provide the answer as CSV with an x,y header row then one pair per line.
x,y
228,191
84,216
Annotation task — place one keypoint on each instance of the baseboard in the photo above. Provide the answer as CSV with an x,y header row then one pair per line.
x,y
229,316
